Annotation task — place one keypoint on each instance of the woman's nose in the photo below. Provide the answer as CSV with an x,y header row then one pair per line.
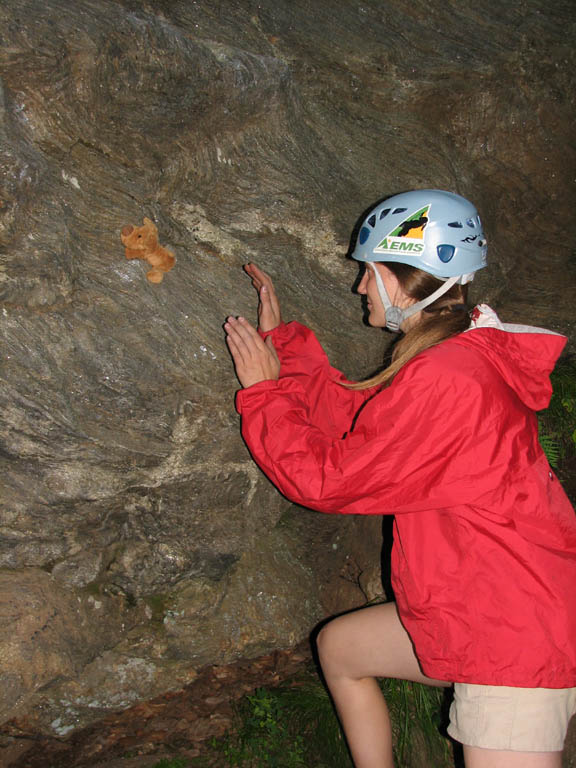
x,y
362,284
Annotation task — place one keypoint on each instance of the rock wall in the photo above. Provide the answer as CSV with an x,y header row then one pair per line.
x,y
138,540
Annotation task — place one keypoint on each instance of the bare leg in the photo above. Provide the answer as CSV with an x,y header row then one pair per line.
x,y
354,650
474,757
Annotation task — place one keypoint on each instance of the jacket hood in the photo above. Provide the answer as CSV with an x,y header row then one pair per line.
x,y
523,355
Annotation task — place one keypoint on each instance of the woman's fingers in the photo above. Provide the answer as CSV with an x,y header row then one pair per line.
x,y
268,307
254,359
269,316
245,338
246,334
236,346
257,274
260,278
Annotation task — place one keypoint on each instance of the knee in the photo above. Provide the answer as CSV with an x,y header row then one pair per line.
x,y
330,646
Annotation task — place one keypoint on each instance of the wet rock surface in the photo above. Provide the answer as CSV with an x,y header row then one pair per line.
x,y
245,131
184,723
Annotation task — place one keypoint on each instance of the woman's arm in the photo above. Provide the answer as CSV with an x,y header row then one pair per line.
x,y
332,407
415,446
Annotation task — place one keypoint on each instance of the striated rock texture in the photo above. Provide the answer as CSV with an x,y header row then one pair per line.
x,y
138,540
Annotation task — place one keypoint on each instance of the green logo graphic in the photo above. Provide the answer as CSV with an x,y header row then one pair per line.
x,y
407,236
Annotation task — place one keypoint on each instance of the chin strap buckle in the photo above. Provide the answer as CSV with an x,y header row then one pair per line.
x,y
394,318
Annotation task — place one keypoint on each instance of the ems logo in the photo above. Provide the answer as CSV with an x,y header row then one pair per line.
x,y
408,236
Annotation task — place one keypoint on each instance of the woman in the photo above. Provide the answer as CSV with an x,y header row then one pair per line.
x,y
445,439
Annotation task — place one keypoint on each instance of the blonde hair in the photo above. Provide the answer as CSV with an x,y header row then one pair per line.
x,y
446,317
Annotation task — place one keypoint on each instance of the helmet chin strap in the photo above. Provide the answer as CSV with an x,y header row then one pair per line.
x,y
395,316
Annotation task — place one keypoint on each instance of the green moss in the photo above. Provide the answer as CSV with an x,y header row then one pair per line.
x,y
159,604
94,588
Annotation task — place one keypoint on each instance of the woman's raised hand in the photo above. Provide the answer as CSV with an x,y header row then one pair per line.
x,y
268,307
255,360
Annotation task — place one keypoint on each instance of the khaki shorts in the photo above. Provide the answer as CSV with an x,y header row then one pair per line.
x,y
518,719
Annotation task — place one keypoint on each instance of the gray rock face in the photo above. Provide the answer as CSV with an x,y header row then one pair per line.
x,y
245,131
48,632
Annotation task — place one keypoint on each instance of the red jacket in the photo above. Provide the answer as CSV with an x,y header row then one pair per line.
x,y
484,556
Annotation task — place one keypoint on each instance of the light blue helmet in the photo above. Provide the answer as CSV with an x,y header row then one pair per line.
x,y
435,231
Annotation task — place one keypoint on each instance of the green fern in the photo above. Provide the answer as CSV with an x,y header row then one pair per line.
x,y
266,736
557,424
550,445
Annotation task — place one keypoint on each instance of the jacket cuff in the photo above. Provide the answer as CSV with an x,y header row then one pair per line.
x,y
244,395
281,331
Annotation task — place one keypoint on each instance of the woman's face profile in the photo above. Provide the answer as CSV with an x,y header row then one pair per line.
x,y
369,288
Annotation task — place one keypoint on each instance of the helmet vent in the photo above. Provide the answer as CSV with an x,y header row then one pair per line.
x,y
372,220
364,235
445,253
399,210
471,223
456,224
385,212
